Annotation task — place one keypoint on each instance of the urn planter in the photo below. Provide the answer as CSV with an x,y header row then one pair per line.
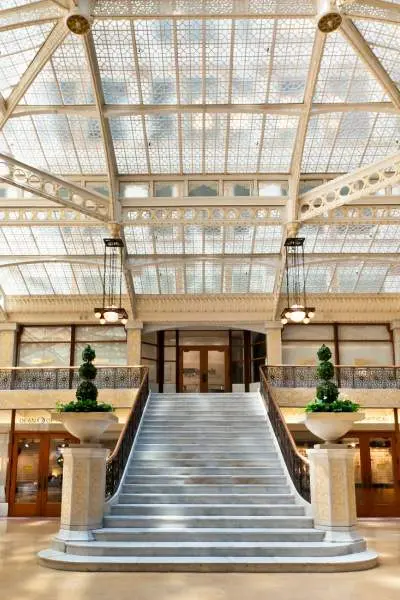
x,y
86,426
330,426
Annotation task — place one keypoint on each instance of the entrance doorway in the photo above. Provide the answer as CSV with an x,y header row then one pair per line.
x,y
377,484
204,369
36,474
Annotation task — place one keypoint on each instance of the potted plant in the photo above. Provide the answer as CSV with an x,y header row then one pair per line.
x,y
330,416
85,418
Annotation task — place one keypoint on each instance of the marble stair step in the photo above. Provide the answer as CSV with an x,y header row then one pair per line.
x,y
186,498
203,489
205,453
203,480
224,534
202,509
195,471
161,446
224,549
204,462
210,521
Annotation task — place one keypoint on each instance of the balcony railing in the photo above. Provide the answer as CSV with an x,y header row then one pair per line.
x,y
66,378
345,377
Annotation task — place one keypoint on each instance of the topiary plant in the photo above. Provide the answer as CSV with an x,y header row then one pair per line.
x,y
86,393
327,394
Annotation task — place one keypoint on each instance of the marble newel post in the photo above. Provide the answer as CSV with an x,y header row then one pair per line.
x,y
333,496
82,505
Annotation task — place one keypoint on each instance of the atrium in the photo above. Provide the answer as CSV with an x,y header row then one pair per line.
x,y
197,137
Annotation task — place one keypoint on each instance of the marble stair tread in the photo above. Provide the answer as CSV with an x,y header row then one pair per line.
x,y
208,509
187,488
208,534
213,521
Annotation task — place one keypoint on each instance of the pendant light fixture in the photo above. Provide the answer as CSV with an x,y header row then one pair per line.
x,y
296,310
112,311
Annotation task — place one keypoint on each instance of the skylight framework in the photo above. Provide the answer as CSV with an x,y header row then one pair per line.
x,y
209,90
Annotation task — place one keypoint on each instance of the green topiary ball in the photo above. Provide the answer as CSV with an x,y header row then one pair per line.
x,y
327,391
324,353
325,371
86,391
87,371
88,354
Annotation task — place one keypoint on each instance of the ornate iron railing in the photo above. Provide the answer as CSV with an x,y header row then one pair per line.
x,y
345,377
117,461
64,378
297,465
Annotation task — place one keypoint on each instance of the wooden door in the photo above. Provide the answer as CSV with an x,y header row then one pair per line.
x,y
204,369
36,476
377,484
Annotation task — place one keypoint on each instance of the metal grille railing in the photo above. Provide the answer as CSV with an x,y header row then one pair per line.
x,y
297,465
117,461
344,377
64,378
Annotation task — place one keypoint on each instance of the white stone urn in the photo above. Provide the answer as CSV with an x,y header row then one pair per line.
x,y
330,426
86,426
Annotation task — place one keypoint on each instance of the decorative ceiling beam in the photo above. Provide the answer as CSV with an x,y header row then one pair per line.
x,y
30,259
2,105
105,128
128,277
295,169
349,188
354,37
53,188
35,13
56,36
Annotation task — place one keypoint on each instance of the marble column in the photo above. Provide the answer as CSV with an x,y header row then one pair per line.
x,y
134,342
8,337
4,439
274,343
395,327
82,505
333,497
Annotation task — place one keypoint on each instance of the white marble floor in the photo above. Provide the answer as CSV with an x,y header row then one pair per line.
x,y
21,578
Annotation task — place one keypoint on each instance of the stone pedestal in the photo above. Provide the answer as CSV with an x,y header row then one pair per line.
x,y
333,496
395,326
3,473
8,336
82,504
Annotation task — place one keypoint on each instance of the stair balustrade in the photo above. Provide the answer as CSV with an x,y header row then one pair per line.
x,y
117,461
297,465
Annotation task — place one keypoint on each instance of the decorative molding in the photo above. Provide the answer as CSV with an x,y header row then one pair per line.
x,y
201,215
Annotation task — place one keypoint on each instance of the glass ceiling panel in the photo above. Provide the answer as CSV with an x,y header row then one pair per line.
x,y
192,142
41,240
356,238
61,144
129,144
343,142
6,4
244,143
27,13
189,52
115,56
195,239
18,47
392,281
383,39
278,143
163,143
205,277
65,79
343,76
215,142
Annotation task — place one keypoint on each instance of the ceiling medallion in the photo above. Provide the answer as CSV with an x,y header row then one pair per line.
x,y
78,24
329,22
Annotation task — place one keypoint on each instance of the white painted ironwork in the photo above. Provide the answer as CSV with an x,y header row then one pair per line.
x,y
350,187
53,188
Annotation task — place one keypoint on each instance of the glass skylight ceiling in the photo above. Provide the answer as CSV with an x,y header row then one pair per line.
x,y
186,95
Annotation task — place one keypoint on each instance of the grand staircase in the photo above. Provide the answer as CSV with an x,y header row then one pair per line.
x,y
206,489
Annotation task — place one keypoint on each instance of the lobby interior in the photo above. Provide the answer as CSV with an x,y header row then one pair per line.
x,y
201,134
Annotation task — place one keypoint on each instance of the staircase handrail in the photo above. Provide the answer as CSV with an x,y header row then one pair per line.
x,y
297,465
118,459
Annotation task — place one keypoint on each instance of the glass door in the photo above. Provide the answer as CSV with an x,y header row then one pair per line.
x,y
204,369
36,476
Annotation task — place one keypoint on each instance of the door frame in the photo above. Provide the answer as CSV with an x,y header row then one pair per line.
x,y
204,349
40,508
